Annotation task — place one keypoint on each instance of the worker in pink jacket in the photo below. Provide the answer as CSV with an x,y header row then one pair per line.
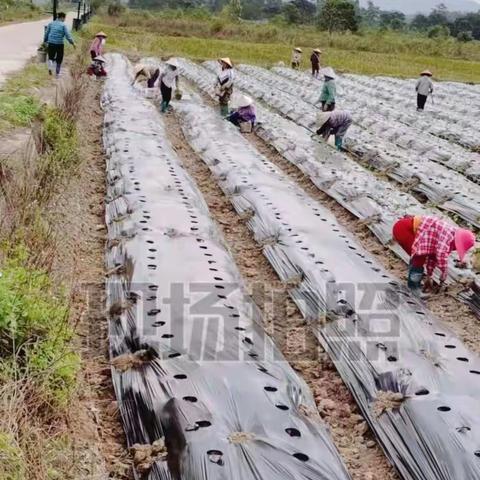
x,y
96,48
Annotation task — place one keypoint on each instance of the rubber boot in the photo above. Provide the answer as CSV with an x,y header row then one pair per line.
x,y
224,111
339,143
50,66
164,106
57,70
415,275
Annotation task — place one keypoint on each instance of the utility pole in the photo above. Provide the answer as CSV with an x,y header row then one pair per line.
x,y
55,5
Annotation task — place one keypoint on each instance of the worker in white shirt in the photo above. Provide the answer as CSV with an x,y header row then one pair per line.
x,y
296,58
168,79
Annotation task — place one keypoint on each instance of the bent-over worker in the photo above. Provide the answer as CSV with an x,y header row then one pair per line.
x,y
329,90
429,241
168,79
245,113
98,44
55,33
149,71
315,61
334,123
424,88
224,84
296,58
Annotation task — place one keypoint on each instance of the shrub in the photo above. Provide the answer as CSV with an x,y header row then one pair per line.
x,y
115,9
465,37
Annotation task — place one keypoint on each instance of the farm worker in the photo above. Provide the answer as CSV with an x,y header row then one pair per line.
x,y
244,114
96,48
97,67
315,61
55,32
168,79
329,90
429,241
150,71
296,57
224,84
334,123
424,88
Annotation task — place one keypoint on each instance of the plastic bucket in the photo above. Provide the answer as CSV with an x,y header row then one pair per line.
x,y
41,56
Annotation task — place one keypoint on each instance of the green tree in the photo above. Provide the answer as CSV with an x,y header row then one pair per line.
x,y
392,20
439,31
371,15
338,16
465,36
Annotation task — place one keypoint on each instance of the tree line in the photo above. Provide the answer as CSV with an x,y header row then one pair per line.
x,y
335,15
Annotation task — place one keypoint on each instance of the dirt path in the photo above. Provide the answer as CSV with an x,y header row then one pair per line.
x,y
94,424
285,324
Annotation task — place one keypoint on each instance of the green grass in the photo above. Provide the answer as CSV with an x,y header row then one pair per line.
x,y
17,11
371,53
18,104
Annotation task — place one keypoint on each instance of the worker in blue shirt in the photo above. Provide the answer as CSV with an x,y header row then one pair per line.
x,y
55,33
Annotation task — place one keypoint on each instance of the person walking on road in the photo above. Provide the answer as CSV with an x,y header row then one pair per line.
x,y
296,58
55,33
429,241
224,85
329,90
168,79
315,61
98,44
424,88
334,123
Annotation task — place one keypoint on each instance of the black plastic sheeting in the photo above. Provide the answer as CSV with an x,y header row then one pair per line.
x,y
192,364
415,382
375,202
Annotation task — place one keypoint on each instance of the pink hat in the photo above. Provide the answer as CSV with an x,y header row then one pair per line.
x,y
464,241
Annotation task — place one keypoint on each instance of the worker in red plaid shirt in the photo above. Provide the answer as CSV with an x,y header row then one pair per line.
x,y
429,241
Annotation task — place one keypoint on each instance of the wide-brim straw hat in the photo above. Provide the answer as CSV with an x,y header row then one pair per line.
x,y
172,62
298,49
328,72
101,34
317,50
99,58
322,118
427,72
226,61
244,101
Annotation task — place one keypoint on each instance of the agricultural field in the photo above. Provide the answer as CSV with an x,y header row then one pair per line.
x,y
292,293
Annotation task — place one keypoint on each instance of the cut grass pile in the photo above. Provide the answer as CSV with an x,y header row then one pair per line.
x,y
389,53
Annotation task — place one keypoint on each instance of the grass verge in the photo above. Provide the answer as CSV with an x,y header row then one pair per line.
x,y
38,362
17,11
18,103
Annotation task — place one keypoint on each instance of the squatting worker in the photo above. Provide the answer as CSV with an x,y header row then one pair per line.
x,y
168,79
98,45
149,71
315,61
424,88
55,33
296,57
429,241
224,85
334,123
329,90
244,114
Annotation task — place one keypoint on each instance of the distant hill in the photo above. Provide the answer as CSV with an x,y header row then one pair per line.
x,y
424,6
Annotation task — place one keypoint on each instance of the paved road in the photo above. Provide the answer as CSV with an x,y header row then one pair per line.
x,y
19,42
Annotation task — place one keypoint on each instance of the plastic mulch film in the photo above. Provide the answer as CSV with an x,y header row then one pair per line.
x,y
203,391
375,202
448,115
446,189
416,383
